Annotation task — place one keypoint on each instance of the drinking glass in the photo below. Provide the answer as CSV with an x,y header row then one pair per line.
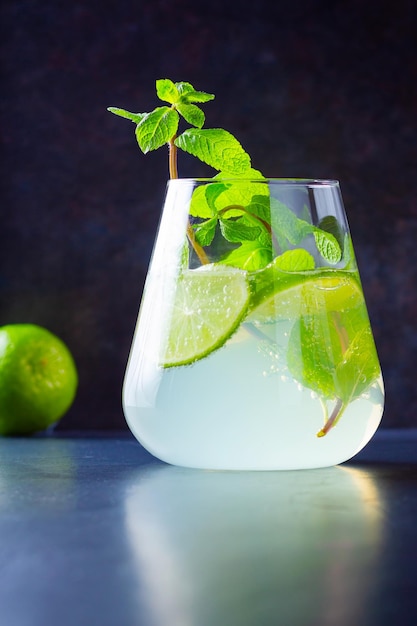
x,y
253,348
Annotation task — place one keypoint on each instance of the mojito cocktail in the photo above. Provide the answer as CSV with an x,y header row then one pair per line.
x,y
253,348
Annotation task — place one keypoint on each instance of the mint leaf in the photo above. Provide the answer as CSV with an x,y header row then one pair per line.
x,y
217,198
313,352
332,226
203,200
328,246
348,252
250,174
243,195
305,214
333,352
359,368
247,196
229,199
260,206
250,222
250,256
167,91
199,206
298,260
189,94
156,128
191,113
184,88
213,191
205,231
216,147
287,226
237,230
134,117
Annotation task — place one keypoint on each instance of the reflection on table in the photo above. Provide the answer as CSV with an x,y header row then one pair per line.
x,y
240,548
96,531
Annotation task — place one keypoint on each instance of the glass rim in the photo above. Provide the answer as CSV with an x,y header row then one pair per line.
x,y
296,182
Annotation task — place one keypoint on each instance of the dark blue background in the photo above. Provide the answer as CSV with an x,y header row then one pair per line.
x,y
311,89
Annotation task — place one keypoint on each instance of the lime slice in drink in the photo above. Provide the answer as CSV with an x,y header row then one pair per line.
x,y
292,294
209,305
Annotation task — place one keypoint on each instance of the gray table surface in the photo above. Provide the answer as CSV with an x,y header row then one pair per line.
x,y
94,531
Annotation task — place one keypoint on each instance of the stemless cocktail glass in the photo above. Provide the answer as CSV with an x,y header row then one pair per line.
x,y
253,348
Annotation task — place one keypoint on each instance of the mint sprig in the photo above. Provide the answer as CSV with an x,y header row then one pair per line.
x,y
241,213
216,147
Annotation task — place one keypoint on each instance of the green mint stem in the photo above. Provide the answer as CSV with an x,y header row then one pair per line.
x,y
199,250
173,169
338,409
173,174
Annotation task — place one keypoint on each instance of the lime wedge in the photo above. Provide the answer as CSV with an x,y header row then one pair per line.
x,y
209,305
288,295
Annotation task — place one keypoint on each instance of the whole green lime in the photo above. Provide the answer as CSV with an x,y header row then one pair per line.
x,y
38,379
